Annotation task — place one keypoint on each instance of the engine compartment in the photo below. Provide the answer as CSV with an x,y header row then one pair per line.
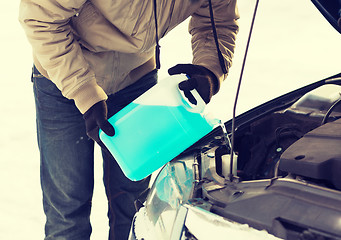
x,y
301,139
317,155
288,177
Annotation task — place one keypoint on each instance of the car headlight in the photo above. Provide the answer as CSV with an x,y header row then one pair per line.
x,y
172,187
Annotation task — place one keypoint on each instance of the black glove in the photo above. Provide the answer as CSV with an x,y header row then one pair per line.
x,y
200,78
95,119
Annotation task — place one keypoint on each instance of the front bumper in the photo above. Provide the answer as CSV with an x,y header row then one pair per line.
x,y
193,222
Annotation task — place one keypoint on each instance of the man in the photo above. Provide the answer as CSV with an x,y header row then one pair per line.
x,y
91,58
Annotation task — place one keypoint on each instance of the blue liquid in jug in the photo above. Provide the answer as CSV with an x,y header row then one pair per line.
x,y
149,136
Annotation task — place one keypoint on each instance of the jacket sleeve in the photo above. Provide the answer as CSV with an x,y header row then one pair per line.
x,y
46,24
203,45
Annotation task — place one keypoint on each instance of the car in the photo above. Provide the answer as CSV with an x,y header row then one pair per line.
x,y
272,172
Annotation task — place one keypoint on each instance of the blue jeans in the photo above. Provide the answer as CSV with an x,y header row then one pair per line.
x,y
67,164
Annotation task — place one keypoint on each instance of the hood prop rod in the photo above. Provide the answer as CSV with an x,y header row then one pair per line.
x,y
238,90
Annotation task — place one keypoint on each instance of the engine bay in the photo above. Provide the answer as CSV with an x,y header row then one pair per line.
x,y
302,139
287,179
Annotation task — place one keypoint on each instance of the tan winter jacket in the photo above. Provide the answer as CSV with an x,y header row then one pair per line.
x,y
93,48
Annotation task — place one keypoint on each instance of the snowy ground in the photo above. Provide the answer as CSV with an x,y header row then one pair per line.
x,y
292,46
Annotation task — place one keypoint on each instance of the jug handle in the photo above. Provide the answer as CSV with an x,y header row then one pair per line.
x,y
195,108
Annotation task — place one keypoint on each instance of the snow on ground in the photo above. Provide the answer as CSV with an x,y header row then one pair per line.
x,y
292,46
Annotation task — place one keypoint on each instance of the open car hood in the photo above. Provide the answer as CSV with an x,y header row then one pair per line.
x,y
330,10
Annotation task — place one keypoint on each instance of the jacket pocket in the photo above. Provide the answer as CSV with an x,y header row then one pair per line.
x,y
86,15
83,25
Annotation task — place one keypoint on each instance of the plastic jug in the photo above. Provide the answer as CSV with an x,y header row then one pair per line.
x,y
155,128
